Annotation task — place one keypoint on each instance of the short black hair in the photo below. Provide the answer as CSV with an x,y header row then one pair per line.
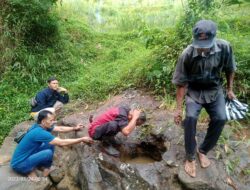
x,y
51,79
142,117
43,115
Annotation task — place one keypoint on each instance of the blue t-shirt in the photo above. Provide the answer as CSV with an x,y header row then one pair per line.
x,y
32,140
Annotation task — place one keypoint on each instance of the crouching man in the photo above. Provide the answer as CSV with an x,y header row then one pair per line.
x,y
36,149
117,119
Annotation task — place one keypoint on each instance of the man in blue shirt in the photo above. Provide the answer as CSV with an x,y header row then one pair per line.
x,y
36,148
52,97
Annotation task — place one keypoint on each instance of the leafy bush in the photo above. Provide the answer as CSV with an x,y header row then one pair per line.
x,y
30,21
34,47
163,61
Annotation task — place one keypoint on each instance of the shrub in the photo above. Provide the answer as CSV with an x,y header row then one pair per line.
x,y
30,21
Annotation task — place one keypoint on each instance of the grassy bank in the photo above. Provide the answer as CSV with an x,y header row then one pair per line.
x,y
90,62
100,48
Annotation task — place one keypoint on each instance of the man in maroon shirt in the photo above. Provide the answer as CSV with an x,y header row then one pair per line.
x,y
117,119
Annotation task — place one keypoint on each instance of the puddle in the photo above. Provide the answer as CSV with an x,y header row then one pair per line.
x,y
143,152
137,160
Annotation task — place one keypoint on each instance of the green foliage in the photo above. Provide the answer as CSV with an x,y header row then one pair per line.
x,y
115,67
145,131
96,50
170,43
90,65
163,63
235,2
246,172
30,21
31,58
231,165
26,26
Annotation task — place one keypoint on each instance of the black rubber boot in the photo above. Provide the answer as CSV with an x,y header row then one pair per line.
x,y
108,144
110,150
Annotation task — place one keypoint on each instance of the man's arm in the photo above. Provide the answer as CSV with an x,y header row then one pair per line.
x,y
64,142
63,98
230,79
131,125
229,68
180,93
65,129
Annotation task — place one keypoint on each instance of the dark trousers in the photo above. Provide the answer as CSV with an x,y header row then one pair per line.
x,y
106,131
216,111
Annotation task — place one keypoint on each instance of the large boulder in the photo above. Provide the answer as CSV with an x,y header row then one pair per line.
x,y
9,145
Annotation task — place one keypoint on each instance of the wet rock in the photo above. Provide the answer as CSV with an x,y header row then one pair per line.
x,y
73,167
149,174
24,126
7,150
67,184
213,178
10,180
89,168
63,185
175,154
75,119
171,163
9,145
240,161
57,175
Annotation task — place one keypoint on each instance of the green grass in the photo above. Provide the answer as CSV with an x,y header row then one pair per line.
x,y
119,64
90,63
97,58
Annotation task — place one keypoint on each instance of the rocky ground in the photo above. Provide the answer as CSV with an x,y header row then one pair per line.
x,y
157,148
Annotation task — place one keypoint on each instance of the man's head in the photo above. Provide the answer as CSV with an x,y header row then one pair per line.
x,y
53,83
46,119
141,118
204,33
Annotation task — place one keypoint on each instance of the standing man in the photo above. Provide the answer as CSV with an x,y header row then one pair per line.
x,y
116,119
198,77
36,149
51,98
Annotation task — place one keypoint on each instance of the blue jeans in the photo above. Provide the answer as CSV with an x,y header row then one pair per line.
x,y
43,157
216,111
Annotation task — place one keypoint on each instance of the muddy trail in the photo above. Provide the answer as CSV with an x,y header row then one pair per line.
x,y
151,157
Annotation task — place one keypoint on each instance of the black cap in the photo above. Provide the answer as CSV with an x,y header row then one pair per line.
x,y
207,29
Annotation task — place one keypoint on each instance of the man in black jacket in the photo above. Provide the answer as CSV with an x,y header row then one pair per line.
x,y
51,98
198,76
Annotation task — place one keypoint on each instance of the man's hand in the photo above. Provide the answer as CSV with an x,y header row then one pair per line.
x,y
178,116
136,113
78,127
231,95
88,140
62,90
